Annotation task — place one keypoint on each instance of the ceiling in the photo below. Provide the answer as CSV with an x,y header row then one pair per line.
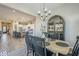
x,y
24,12
28,11
33,8
13,14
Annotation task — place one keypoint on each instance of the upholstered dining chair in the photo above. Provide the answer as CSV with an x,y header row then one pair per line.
x,y
28,40
52,36
38,45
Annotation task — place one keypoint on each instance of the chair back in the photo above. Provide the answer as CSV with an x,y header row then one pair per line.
x,y
39,46
28,40
51,35
75,50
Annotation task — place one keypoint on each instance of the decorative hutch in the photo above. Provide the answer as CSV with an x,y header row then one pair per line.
x,y
56,27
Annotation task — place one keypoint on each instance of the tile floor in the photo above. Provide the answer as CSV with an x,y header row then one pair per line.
x,y
13,47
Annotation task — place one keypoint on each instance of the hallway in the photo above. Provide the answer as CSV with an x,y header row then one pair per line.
x,y
10,44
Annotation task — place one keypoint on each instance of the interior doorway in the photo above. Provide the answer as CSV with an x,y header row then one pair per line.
x,y
4,28
7,27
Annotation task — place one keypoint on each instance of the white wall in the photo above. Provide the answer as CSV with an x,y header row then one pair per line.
x,y
70,13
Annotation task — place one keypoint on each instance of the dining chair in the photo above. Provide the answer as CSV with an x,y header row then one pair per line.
x,y
38,45
16,34
46,34
53,36
28,40
75,50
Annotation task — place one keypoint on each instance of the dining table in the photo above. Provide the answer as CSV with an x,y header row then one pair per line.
x,y
58,46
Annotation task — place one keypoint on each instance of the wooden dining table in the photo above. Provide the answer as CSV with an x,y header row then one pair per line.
x,y
58,46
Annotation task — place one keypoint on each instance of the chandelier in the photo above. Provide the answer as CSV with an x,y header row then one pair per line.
x,y
45,13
